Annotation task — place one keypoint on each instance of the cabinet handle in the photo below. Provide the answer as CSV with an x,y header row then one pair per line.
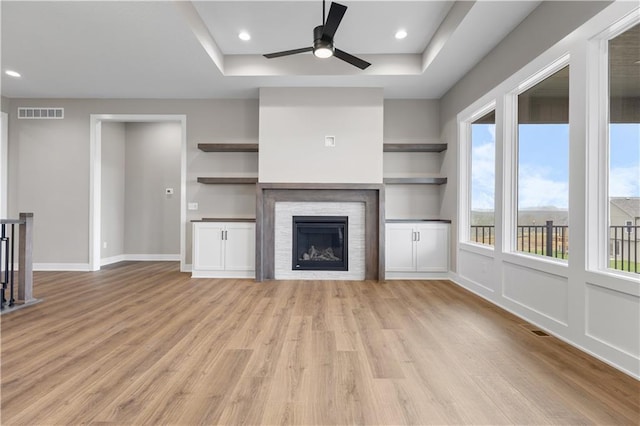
x,y
413,236
226,235
418,233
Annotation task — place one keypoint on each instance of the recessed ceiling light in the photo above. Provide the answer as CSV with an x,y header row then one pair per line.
x,y
244,36
12,73
400,34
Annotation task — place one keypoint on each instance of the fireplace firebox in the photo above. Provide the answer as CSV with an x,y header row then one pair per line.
x,y
320,243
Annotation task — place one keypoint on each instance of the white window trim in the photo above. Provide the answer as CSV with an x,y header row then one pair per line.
x,y
464,174
597,221
510,161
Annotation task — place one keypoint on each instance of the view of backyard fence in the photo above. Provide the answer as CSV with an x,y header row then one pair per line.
x,y
553,241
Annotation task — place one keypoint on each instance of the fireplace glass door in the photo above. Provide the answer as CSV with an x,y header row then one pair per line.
x,y
320,243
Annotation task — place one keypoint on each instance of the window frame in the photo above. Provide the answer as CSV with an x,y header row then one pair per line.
x,y
598,145
511,165
464,136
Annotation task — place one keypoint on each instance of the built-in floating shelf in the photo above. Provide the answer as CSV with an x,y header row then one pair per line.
x,y
414,147
415,180
228,180
225,219
228,147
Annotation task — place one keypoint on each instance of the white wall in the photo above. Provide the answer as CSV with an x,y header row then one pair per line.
x,y
544,27
595,311
152,164
112,217
293,126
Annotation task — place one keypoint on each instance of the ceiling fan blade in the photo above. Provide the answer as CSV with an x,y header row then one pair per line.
x,y
336,12
288,52
356,62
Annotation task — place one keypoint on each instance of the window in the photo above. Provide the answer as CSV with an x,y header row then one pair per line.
x,y
543,167
624,150
483,153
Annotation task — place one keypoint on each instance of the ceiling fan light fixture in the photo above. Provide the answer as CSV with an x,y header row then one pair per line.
x,y
323,52
323,39
322,48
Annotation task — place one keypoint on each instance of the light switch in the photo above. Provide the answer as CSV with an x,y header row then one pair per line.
x,y
192,206
168,191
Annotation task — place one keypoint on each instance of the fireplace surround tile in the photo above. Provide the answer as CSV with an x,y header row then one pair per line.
x,y
371,195
284,212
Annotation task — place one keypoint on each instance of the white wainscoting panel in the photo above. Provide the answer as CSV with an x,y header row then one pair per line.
x,y
541,292
284,212
479,269
613,318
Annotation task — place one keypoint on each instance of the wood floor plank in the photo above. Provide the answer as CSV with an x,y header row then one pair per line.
x,y
141,343
355,401
292,374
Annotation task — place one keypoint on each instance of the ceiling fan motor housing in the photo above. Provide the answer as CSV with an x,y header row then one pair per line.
x,y
320,43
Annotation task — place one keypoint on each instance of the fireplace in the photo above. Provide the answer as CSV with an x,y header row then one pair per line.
x,y
278,203
320,243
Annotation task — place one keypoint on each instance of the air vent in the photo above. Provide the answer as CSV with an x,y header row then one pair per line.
x,y
41,113
539,333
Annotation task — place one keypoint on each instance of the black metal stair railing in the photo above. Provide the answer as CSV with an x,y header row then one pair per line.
x,y
16,291
7,256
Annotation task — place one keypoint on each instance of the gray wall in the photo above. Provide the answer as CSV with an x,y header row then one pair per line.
x,y
545,26
152,164
49,172
112,218
49,166
4,104
412,121
295,121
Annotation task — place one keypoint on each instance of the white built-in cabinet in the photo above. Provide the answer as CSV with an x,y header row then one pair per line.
x,y
417,249
224,249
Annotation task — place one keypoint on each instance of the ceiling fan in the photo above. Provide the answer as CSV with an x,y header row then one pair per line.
x,y
323,39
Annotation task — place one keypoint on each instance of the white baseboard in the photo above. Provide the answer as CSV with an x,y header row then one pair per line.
x,y
113,259
106,261
140,258
223,274
84,267
186,268
416,275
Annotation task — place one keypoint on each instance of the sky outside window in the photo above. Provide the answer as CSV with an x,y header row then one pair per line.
x,y
483,153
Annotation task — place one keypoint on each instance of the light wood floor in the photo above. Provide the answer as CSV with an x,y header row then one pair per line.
x,y
141,343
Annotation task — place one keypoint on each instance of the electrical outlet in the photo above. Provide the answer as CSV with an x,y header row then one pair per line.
x,y
330,141
192,206
104,245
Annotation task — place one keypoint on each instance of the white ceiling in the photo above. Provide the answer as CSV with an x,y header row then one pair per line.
x,y
182,49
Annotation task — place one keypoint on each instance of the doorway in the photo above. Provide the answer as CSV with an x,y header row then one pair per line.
x,y
96,184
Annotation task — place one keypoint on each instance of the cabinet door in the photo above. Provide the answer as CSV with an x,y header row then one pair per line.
x,y
399,248
432,247
240,247
208,246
